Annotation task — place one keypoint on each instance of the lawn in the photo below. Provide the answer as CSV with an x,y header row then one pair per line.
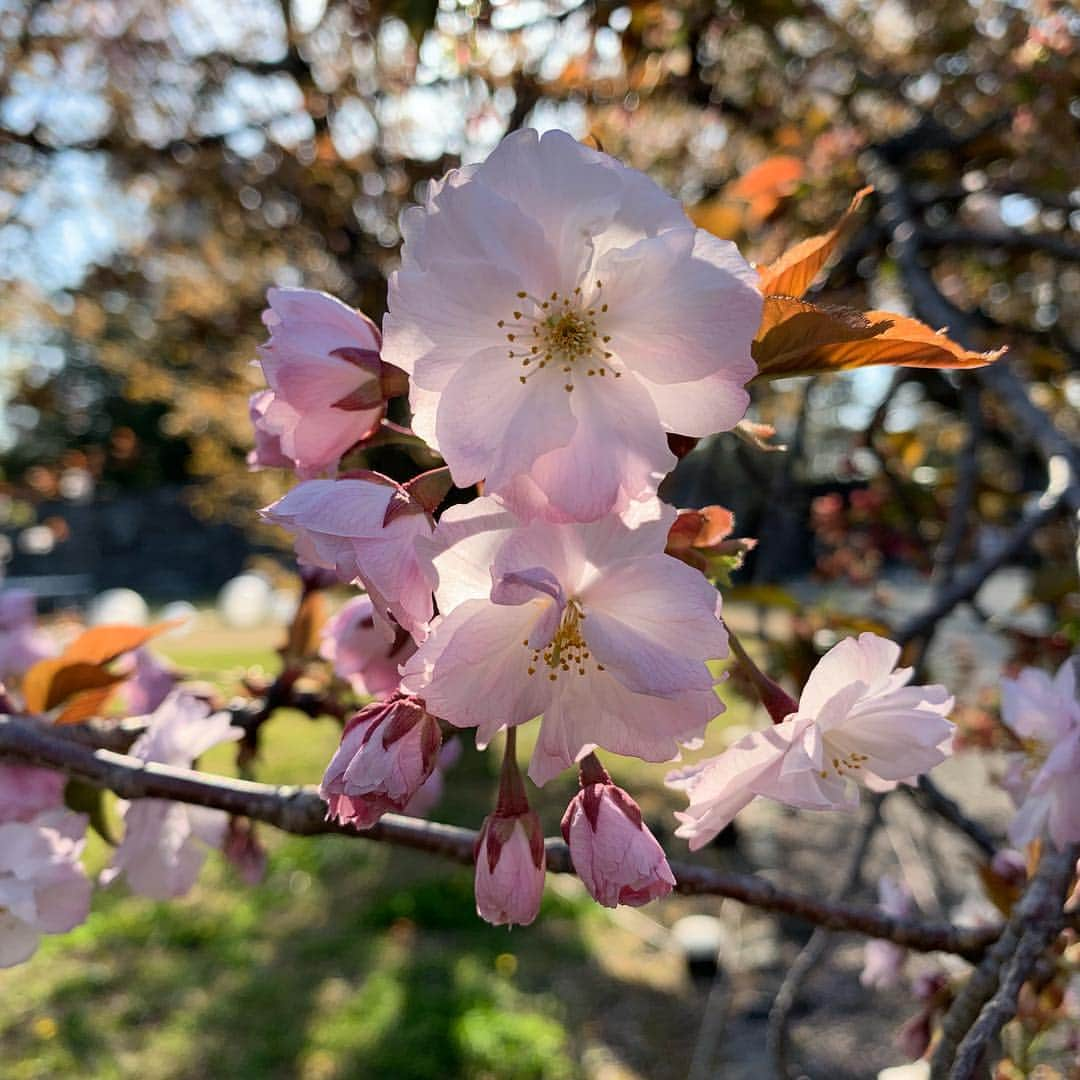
x,y
350,959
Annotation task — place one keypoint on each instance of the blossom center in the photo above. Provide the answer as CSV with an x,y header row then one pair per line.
x,y
567,651
560,333
842,762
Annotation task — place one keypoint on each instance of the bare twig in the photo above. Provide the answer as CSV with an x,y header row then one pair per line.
x,y
989,999
813,952
301,811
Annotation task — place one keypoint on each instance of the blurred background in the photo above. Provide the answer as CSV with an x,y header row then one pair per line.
x,y
163,163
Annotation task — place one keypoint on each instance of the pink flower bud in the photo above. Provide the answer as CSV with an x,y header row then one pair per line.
x,y
614,853
387,751
510,868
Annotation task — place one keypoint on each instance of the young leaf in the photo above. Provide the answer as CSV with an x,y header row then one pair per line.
x,y
791,330
50,682
794,272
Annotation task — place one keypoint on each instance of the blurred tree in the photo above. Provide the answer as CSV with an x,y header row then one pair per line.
x,y
162,163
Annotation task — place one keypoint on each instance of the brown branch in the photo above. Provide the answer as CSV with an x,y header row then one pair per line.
x,y
1035,920
953,237
301,811
1044,921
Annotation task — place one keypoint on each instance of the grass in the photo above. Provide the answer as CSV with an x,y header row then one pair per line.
x,y
350,960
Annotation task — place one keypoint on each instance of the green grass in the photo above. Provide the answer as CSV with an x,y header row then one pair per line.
x,y
351,960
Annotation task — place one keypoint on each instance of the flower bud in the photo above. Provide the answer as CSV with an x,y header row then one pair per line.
x,y
510,868
387,751
614,854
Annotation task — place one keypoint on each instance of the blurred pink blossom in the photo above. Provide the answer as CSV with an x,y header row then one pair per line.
x,y
22,644
165,843
857,721
43,887
559,314
148,683
883,961
26,791
359,651
1044,780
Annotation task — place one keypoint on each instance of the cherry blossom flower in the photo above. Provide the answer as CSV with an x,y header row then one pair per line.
x,y
326,379
364,527
857,720
43,887
22,644
26,791
1044,780
558,315
165,843
267,452
359,651
431,791
590,625
883,960
148,682
387,751
614,853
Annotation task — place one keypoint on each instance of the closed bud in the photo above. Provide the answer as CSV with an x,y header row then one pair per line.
x,y
614,853
510,868
387,751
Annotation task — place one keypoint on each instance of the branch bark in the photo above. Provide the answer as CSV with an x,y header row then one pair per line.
x,y
301,811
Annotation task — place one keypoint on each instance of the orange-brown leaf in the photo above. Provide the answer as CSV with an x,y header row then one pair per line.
x,y
798,338
85,704
100,644
766,184
50,682
794,272
791,330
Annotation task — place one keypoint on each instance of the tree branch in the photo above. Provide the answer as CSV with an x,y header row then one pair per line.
x,y
1033,923
301,811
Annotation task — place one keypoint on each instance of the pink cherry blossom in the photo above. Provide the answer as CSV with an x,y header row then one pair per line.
x,y
559,314
857,720
26,791
590,625
323,368
613,851
359,651
22,644
510,868
365,527
883,961
267,452
387,751
431,791
148,683
165,843
1044,713
43,887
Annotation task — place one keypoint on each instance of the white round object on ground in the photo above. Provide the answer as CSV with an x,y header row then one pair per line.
x,y
179,611
124,606
246,601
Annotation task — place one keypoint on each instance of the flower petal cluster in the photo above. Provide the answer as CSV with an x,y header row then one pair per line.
x,y
1044,780
388,750
325,377
510,868
589,625
357,647
148,683
26,791
858,721
365,527
22,644
43,887
613,851
558,315
165,843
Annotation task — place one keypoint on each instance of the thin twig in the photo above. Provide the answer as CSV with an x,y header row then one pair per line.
x,y
1035,921
813,952
301,811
